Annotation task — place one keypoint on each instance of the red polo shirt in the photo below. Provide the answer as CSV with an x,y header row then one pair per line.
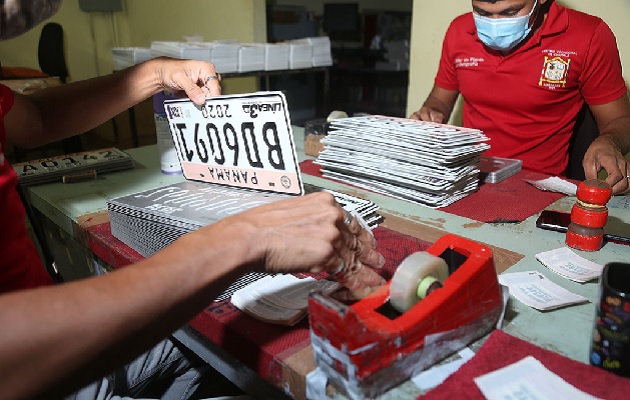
x,y
528,100
20,265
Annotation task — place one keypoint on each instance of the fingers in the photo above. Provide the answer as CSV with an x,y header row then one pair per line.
x,y
428,115
311,233
213,84
623,185
363,244
207,84
198,79
617,169
604,154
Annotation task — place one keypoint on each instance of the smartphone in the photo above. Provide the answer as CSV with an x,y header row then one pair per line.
x,y
559,222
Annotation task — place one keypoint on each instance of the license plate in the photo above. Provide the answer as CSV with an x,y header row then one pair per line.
x,y
69,162
242,140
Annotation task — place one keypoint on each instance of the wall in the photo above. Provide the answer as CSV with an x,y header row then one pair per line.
x,y
89,37
431,18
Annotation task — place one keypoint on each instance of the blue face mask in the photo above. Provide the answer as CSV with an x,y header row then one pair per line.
x,y
503,34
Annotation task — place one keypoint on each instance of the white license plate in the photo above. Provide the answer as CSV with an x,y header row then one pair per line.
x,y
237,140
68,162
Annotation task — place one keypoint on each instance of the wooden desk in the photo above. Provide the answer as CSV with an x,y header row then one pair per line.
x,y
73,209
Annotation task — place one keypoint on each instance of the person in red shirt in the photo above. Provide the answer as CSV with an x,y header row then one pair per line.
x,y
118,323
524,69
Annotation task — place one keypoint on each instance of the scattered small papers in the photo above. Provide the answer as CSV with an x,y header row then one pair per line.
x,y
527,379
279,299
534,290
555,184
566,263
426,163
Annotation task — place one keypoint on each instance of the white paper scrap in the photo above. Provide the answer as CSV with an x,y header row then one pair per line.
x,y
527,379
566,263
430,378
555,184
534,289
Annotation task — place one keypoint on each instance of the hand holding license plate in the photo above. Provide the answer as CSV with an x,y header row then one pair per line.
x,y
242,140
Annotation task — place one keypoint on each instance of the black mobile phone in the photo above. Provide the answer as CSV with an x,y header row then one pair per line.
x,y
559,221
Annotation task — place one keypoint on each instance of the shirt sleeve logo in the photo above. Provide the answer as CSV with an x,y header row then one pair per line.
x,y
554,72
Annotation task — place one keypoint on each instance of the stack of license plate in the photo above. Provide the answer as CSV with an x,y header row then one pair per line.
x,y
152,219
426,163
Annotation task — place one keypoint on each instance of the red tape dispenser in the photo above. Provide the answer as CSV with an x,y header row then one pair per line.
x,y
437,302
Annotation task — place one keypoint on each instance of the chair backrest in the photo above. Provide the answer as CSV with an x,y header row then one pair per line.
x,y
51,51
584,132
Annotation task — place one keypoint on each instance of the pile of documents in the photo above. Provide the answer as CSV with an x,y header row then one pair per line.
x,y
280,299
125,57
276,56
231,56
251,57
59,168
300,54
149,221
426,163
183,50
322,55
224,55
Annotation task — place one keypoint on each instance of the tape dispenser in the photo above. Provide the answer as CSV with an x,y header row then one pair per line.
x,y
437,302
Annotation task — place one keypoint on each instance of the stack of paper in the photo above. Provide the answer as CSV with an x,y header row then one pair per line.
x,y
322,55
125,57
149,221
300,54
251,57
54,169
426,163
279,299
183,50
224,55
276,56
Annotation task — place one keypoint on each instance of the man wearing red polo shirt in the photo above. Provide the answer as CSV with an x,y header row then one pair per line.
x,y
525,68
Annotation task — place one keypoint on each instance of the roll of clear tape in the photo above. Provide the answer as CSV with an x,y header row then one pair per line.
x,y
408,279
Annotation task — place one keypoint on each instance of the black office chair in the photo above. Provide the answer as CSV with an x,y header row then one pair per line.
x,y
51,51
584,132
52,60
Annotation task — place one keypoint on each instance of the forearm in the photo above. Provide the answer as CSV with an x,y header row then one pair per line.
x,y
51,334
438,106
618,131
434,103
77,107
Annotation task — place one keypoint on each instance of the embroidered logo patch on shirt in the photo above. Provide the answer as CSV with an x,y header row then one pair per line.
x,y
554,72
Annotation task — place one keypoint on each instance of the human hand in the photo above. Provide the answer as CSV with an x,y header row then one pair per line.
x,y
603,153
309,234
195,79
429,115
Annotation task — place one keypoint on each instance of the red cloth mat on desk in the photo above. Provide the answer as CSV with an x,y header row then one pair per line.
x,y
510,200
262,346
502,349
